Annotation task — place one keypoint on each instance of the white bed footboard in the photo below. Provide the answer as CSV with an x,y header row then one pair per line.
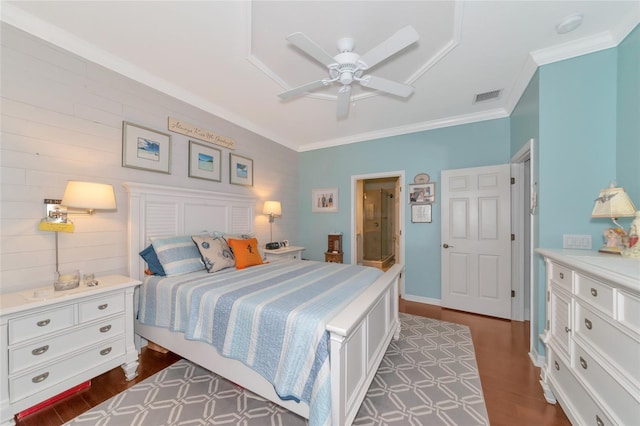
x,y
360,336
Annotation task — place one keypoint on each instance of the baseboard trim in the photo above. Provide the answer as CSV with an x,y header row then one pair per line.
x,y
421,299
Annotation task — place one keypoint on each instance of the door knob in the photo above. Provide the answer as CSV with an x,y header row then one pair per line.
x,y
445,245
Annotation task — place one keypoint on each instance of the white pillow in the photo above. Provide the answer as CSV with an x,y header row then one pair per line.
x,y
215,252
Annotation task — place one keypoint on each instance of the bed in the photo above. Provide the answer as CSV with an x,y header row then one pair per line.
x,y
358,334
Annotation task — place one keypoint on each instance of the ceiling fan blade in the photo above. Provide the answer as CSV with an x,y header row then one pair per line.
x,y
384,85
307,45
344,98
301,89
398,41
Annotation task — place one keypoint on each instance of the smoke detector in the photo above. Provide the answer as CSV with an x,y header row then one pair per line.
x,y
569,23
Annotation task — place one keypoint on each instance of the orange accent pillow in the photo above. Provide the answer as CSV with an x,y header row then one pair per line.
x,y
246,252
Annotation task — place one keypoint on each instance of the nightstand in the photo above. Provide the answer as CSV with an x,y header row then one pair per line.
x,y
52,341
333,257
291,252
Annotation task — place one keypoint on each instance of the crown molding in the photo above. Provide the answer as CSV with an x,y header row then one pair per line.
x,y
413,128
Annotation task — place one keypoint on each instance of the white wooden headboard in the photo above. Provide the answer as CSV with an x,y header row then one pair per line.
x,y
159,211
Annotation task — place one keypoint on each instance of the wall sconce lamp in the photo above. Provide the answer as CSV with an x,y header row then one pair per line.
x,y
613,203
272,209
78,198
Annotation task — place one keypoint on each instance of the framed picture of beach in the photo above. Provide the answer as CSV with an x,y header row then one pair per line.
x,y
204,161
145,149
240,170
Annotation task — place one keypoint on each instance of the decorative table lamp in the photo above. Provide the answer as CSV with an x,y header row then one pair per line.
x,y
78,198
614,203
272,209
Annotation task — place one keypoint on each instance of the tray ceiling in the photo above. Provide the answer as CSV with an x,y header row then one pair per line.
x,y
231,58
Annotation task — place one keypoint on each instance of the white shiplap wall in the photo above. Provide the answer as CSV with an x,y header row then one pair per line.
x,y
62,119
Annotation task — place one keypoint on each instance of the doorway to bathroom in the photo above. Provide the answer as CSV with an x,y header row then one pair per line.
x,y
378,223
377,219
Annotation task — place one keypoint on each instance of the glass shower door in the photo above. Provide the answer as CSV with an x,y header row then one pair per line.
x,y
377,239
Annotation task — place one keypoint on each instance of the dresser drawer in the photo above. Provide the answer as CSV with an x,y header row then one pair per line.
x,y
629,310
610,393
561,276
47,348
581,408
560,319
617,347
101,307
40,323
49,375
595,292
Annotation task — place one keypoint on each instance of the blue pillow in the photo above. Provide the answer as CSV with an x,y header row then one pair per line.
x,y
149,255
178,255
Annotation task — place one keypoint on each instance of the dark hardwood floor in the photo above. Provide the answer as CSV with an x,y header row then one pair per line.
x,y
509,380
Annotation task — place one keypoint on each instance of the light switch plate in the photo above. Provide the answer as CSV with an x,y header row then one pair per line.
x,y
581,242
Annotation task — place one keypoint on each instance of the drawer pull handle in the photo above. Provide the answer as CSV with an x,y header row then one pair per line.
x,y
43,323
561,276
588,324
567,329
105,328
41,378
103,307
583,363
105,351
557,365
594,292
40,350
599,421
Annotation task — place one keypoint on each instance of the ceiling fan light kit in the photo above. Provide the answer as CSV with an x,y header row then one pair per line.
x,y
347,66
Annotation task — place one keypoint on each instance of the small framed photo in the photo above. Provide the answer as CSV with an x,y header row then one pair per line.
x,y
324,200
421,213
422,193
145,149
204,161
240,170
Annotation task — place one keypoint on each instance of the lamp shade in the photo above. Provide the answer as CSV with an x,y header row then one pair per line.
x,y
613,203
89,195
272,208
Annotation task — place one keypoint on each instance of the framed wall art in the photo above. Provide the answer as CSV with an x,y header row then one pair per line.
x,y
422,193
240,170
145,149
421,213
204,161
324,200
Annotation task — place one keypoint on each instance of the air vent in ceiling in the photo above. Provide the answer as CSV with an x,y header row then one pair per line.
x,y
487,96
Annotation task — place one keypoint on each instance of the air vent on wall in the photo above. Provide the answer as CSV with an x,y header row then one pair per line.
x,y
487,96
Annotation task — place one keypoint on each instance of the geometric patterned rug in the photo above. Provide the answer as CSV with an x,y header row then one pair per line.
x,y
429,376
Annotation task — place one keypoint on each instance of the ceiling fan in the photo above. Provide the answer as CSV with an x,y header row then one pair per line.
x,y
347,66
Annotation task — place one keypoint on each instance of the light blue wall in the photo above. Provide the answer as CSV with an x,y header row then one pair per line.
x,y
470,145
628,125
525,118
577,151
577,144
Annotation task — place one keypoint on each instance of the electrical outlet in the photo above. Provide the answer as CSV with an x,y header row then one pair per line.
x,y
582,242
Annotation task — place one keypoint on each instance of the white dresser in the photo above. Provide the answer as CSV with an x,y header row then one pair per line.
x,y
291,252
52,343
592,336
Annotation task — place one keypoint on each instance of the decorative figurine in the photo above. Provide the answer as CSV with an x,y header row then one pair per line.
x,y
632,246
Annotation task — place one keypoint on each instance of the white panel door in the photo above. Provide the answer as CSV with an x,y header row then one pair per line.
x,y
476,240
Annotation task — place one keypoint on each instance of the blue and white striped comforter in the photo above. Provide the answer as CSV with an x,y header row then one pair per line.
x,y
271,317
